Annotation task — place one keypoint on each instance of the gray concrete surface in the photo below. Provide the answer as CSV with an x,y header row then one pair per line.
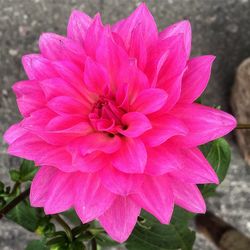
x,y
220,27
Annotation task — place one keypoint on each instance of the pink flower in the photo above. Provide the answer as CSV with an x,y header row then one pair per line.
x,y
109,115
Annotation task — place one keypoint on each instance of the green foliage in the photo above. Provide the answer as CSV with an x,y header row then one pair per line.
x,y
151,235
36,245
219,155
25,173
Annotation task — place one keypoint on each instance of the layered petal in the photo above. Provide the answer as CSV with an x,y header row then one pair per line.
x,y
120,219
119,182
132,156
188,196
134,124
78,25
156,197
196,78
92,199
204,124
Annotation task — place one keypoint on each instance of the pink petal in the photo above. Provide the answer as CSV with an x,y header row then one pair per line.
x,y
78,25
137,48
93,36
97,142
196,169
91,199
95,77
188,196
120,183
204,124
196,78
132,156
68,105
56,47
120,219
13,133
61,192
37,67
29,96
182,27
163,159
157,198
136,124
40,185
163,127
150,100
147,26
111,56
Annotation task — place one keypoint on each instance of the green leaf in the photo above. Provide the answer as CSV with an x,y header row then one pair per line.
x,y
72,216
27,170
14,175
151,235
219,155
36,245
24,215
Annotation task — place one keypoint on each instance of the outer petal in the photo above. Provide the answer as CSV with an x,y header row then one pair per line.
x,y
56,47
157,198
140,16
182,27
196,78
150,100
96,77
132,156
13,133
163,159
40,185
78,25
136,124
204,123
196,169
188,196
120,183
120,219
91,199
29,96
163,128
37,67
61,192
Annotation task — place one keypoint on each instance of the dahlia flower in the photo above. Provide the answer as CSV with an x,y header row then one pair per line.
x,y
110,118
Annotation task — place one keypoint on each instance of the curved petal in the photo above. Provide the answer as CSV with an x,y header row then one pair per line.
x,y
37,67
163,159
148,26
61,192
135,124
78,25
56,47
119,182
95,77
156,197
196,78
132,156
204,124
150,100
196,169
163,127
91,199
188,196
182,27
40,185
13,133
120,219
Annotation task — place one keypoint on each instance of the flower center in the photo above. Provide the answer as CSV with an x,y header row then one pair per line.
x,y
106,116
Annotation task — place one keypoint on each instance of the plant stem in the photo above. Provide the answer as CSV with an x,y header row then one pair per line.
x,y
93,244
64,225
14,202
243,126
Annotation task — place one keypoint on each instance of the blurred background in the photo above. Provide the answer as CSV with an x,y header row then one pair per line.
x,y
220,27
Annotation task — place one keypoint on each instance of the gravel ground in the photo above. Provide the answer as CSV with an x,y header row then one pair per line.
x,y
219,27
